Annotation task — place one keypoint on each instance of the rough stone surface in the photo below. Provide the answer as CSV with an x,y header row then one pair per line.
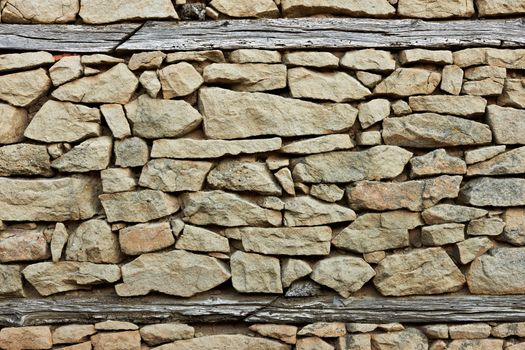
x,y
373,111
514,231
179,79
151,83
294,269
308,211
25,60
435,163
328,193
254,114
347,166
499,7
225,209
145,238
510,162
168,273
443,213
408,339
284,333
247,76
24,159
483,153
439,9
409,81
437,235
100,11
48,11
92,154
375,8
58,241
428,130
225,341
482,344
313,343
440,57
471,248
239,8
72,198
74,333
12,281
311,59
116,120
463,106
138,206
156,334
172,175
485,227
93,241
131,152
146,60
369,60
129,340
344,274
507,124
500,271
51,278
501,192
253,56
66,69
451,79
33,337
115,85
319,144
152,118
421,271
513,93
12,124
254,273
118,180
198,239
24,88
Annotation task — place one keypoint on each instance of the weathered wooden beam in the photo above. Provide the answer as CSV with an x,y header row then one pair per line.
x,y
326,33
432,309
64,38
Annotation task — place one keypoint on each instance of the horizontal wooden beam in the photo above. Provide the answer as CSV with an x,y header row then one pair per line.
x,y
326,33
64,38
432,309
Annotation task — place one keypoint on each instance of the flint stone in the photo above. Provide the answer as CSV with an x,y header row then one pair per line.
x,y
484,153
429,130
239,175
444,213
514,231
45,11
507,124
463,106
12,124
51,278
413,195
254,273
374,8
228,115
74,333
409,81
225,341
11,281
155,334
420,271
24,88
311,59
452,79
344,274
287,240
500,271
198,149
225,209
498,192
240,8
248,76
198,239
94,241
439,9
92,154
72,198
442,234
156,118
408,339
115,85
513,93
331,86
179,79
435,163
101,12
471,248
145,238
294,269
23,245
34,337
369,60
171,175
347,166
64,122
168,273
118,180
24,159
308,211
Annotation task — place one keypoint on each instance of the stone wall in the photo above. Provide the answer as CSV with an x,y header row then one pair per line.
x,y
357,173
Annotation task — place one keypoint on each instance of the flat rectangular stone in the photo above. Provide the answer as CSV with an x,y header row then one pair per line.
x,y
58,199
507,124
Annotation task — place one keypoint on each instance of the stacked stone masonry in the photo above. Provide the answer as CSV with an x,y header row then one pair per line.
x,y
102,12
118,335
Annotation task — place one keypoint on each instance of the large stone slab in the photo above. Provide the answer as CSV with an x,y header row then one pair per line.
x,y
115,85
172,175
44,11
420,271
94,241
429,130
436,162
409,81
71,198
229,115
51,278
439,8
239,175
374,8
511,162
463,106
348,166
255,273
12,124
319,144
344,274
156,118
199,149
64,122
331,86
24,60
145,238
498,192
24,159
92,154
443,213
168,273
100,11
286,240
369,60
248,76
413,195
226,209
24,88
33,337
138,206
500,271
308,211
507,124
225,341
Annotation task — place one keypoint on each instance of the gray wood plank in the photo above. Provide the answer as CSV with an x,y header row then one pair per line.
x,y
64,38
329,33
431,309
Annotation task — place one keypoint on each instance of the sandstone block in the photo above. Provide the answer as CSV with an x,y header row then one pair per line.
x,y
374,8
238,8
12,124
156,334
435,163
92,154
116,120
247,76
225,341
513,93
499,8
254,273
284,333
25,60
47,11
438,57
409,339
481,344
507,124
463,106
33,337
100,11
179,79
373,111
470,249
129,340
292,270
328,193
74,333
23,245
485,227
12,281
58,241
24,88
409,81
66,69
451,79
145,238
311,59
151,83
93,241
118,180
253,56
308,211
146,60
501,192
369,60
319,144
24,159
443,213
198,239
171,175
313,343
514,231
440,9
131,152
437,235
484,153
